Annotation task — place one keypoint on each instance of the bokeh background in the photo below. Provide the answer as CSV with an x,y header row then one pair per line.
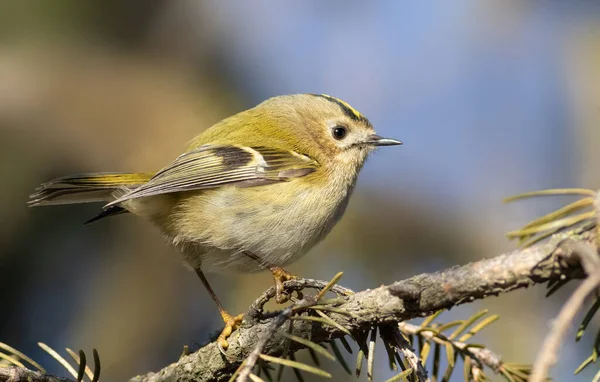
x,y
491,98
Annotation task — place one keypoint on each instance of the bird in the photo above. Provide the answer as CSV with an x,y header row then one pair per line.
x,y
256,191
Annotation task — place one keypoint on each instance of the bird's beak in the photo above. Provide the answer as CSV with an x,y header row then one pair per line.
x,y
376,140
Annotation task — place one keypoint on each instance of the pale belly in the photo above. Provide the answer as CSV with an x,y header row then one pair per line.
x,y
214,227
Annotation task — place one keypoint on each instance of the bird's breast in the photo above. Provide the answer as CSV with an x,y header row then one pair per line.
x,y
278,222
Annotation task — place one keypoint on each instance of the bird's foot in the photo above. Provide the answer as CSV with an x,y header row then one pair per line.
x,y
280,276
231,324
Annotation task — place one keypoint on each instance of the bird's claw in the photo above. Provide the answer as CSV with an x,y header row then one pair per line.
x,y
231,324
280,276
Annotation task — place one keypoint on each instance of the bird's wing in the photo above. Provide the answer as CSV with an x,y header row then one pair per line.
x,y
211,166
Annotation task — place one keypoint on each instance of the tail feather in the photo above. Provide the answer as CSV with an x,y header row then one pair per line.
x,y
87,188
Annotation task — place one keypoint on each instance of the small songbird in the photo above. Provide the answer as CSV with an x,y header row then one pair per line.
x,y
255,191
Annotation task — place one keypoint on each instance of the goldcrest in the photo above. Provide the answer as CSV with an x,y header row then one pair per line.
x,y
255,191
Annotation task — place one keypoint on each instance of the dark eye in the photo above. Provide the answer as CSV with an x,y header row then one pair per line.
x,y
339,132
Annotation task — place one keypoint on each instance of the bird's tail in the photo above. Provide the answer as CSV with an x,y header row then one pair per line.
x,y
87,188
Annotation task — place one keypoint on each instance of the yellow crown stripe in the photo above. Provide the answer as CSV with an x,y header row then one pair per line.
x,y
345,104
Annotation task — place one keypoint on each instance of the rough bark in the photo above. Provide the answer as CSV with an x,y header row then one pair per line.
x,y
19,374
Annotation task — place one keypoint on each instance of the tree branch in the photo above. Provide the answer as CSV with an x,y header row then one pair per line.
x,y
18,374
415,297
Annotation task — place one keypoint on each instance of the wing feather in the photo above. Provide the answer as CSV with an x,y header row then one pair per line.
x,y
211,166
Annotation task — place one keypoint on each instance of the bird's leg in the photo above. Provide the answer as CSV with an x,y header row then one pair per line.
x,y
280,276
231,322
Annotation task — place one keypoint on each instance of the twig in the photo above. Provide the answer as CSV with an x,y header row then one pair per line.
x,y
254,312
258,348
590,261
282,317
483,356
393,334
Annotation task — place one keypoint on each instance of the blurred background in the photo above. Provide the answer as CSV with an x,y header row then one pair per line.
x,y
491,98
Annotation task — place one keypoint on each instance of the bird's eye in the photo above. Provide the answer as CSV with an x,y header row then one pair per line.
x,y
339,132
